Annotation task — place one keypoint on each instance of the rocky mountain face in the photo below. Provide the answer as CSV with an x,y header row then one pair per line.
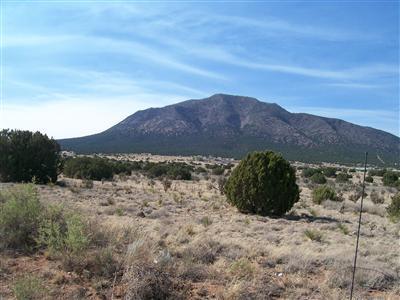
x,y
227,125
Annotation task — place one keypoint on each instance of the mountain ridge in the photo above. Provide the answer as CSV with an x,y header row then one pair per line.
x,y
228,125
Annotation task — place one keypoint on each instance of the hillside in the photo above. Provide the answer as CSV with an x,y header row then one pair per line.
x,y
226,125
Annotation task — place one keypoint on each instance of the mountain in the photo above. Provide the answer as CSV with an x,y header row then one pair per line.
x,y
231,126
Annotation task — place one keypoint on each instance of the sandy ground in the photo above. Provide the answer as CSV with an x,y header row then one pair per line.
x,y
257,257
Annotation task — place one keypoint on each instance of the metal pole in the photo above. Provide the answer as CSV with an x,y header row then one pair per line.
x,y
359,226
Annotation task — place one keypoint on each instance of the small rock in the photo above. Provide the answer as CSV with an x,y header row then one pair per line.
x,y
141,214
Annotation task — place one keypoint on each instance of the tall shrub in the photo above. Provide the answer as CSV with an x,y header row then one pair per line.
x,y
263,183
26,156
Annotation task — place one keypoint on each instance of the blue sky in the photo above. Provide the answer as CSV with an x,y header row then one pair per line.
x,y
71,69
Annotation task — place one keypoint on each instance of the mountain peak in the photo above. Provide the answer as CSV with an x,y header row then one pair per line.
x,y
232,125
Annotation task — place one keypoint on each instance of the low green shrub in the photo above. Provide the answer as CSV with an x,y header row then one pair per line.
x,y
342,178
199,170
329,171
179,172
76,237
318,178
218,171
228,166
323,193
242,269
21,214
29,287
343,228
62,232
390,178
369,179
174,171
27,225
308,172
52,230
125,167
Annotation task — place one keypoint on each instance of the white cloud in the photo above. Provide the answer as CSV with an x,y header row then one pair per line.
x,y
77,117
96,101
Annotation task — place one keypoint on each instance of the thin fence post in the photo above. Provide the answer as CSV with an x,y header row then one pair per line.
x,y
359,227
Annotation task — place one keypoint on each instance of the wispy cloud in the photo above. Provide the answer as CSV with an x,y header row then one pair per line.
x,y
116,82
209,52
94,44
354,85
222,55
361,72
272,25
268,25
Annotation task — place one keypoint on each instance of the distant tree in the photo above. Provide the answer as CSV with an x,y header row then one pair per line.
x,y
308,172
329,171
26,156
218,171
390,178
93,168
378,172
179,172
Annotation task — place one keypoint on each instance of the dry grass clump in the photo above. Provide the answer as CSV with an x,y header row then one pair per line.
x,y
204,251
376,198
29,287
323,193
314,235
374,277
260,288
242,269
149,281
195,261
148,275
305,263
